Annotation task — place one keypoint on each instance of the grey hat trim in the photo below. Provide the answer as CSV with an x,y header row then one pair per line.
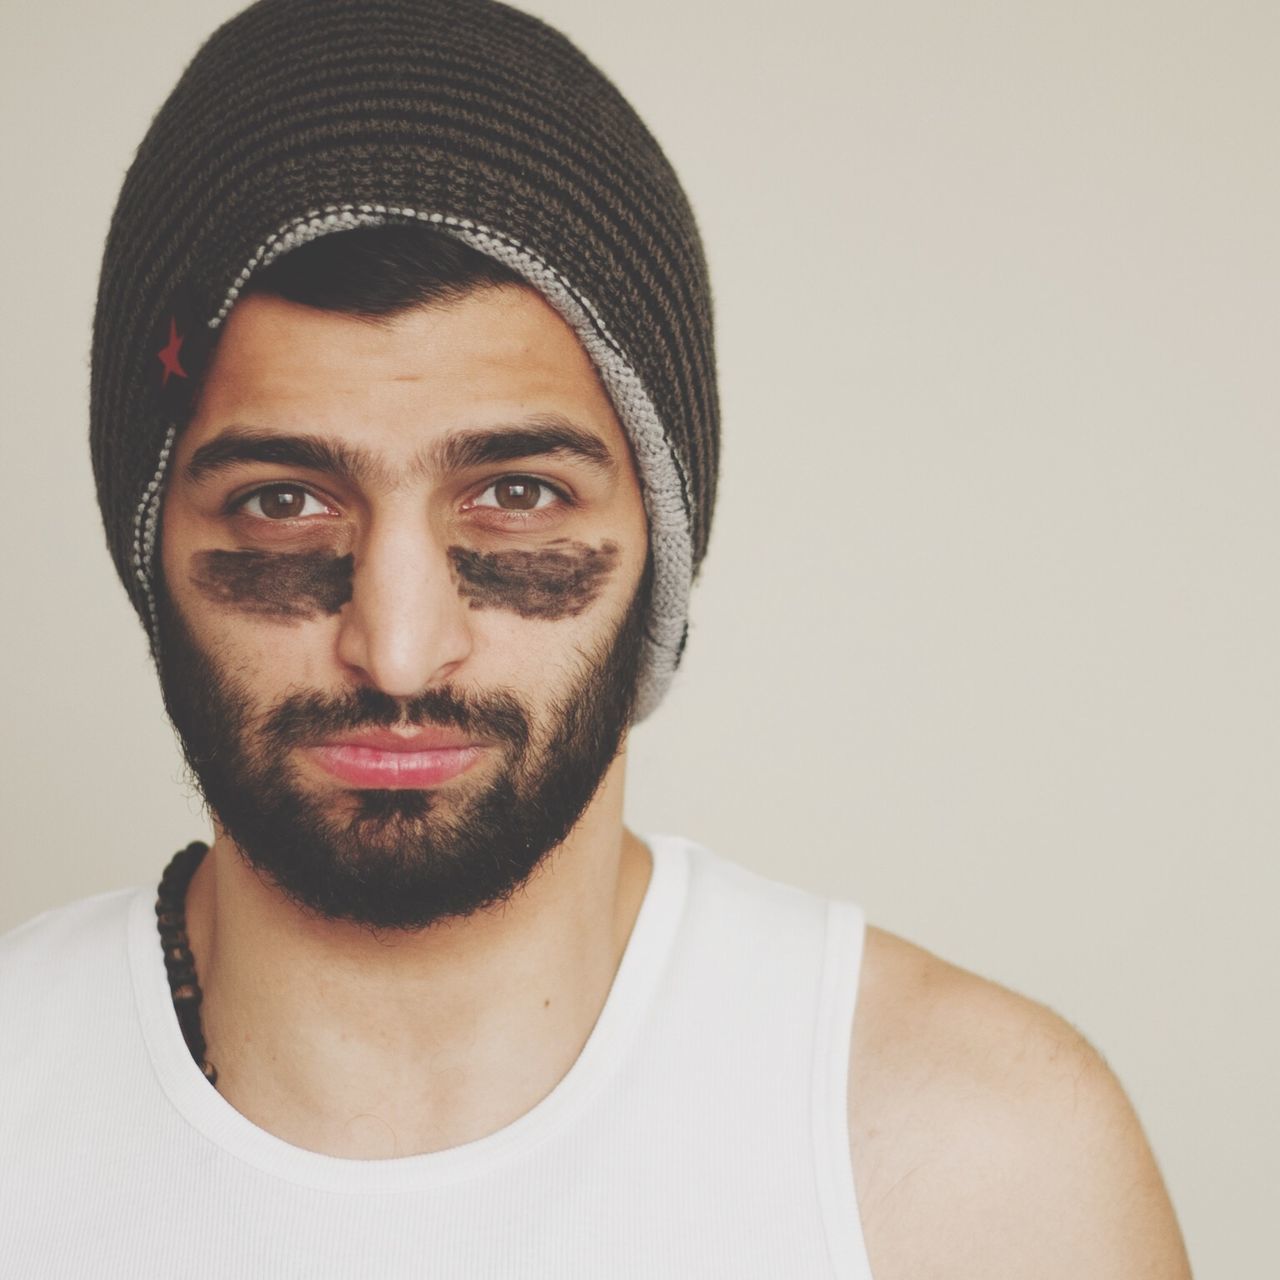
x,y
144,535
664,482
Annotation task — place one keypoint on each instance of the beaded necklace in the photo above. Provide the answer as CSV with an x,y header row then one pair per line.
x,y
179,963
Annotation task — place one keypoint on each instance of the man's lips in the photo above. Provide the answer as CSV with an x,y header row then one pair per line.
x,y
388,760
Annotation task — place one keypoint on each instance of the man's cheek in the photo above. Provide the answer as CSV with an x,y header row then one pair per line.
x,y
560,580
281,586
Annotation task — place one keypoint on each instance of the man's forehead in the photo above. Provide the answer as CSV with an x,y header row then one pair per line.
x,y
485,329
433,390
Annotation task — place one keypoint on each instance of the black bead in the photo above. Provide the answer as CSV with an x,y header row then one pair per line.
x,y
179,963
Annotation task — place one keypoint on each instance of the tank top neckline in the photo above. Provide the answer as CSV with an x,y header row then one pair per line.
x,y
630,995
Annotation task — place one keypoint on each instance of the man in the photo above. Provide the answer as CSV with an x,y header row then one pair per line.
x,y
404,425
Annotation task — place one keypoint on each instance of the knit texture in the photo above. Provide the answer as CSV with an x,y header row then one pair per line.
x,y
301,118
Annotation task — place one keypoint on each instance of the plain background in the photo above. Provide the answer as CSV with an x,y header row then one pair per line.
x,y
987,638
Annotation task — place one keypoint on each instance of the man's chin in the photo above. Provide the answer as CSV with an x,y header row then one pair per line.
x,y
389,864
400,816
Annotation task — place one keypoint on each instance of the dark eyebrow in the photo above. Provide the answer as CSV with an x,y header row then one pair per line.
x,y
247,444
545,434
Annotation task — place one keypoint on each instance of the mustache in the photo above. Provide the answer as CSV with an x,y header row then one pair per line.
x,y
305,718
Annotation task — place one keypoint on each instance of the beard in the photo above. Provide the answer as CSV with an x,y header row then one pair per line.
x,y
399,859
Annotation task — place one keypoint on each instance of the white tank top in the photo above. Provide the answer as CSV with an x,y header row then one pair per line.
x,y
702,1131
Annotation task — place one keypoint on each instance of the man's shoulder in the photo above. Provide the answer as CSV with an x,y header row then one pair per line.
x,y
989,1137
83,920
64,950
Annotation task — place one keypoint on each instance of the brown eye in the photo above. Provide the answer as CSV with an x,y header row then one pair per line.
x,y
281,502
518,493
525,494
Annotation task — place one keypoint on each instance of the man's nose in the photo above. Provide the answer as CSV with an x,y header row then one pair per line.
x,y
405,627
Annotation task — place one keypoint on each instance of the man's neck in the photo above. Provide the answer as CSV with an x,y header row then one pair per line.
x,y
366,1046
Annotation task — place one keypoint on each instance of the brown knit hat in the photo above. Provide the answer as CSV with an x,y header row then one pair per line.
x,y
299,118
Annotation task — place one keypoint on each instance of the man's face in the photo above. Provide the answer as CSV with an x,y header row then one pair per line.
x,y
404,587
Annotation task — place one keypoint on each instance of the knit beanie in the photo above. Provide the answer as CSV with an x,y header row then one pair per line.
x,y
302,118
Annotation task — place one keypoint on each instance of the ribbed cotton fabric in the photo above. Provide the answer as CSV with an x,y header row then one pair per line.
x,y
702,1132
301,118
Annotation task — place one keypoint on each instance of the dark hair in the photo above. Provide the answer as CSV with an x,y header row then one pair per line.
x,y
379,271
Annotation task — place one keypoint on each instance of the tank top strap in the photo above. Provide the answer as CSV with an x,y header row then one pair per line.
x,y
833,1042
744,1062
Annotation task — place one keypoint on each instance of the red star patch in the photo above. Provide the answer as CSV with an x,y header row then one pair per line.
x,y
178,346
168,356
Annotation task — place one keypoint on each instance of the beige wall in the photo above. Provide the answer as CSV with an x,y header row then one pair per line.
x,y
987,637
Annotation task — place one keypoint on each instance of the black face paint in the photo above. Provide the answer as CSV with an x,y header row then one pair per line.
x,y
286,586
558,581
